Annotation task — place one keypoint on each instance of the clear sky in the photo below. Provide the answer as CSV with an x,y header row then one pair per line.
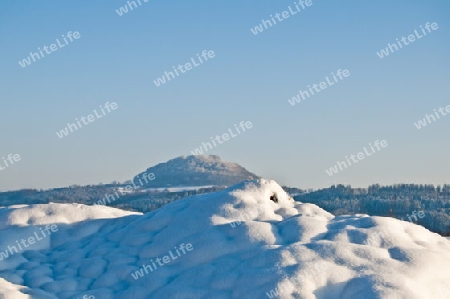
x,y
250,78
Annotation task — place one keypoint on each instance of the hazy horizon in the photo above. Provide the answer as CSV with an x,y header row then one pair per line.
x,y
280,182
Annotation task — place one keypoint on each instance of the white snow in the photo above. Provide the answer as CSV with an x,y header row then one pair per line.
x,y
244,246
25,215
123,191
177,189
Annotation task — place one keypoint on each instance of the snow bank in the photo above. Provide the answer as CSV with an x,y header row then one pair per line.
x,y
41,214
249,241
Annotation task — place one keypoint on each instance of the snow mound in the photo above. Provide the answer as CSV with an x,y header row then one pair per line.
x,y
248,241
23,221
41,214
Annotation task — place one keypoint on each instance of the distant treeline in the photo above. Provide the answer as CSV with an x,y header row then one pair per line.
x,y
140,201
397,201
74,194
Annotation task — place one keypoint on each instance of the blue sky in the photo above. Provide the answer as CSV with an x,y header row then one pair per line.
x,y
250,78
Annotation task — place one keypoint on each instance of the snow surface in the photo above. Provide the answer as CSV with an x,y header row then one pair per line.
x,y
123,190
244,246
178,189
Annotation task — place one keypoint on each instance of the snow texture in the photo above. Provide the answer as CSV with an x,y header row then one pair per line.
x,y
249,241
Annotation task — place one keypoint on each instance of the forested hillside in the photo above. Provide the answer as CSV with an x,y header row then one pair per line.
x,y
399,201
140,200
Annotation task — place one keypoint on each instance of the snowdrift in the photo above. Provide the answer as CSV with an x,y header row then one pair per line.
x,y
249,241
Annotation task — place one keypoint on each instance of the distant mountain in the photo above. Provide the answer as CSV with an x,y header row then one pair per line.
x,y
197,170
